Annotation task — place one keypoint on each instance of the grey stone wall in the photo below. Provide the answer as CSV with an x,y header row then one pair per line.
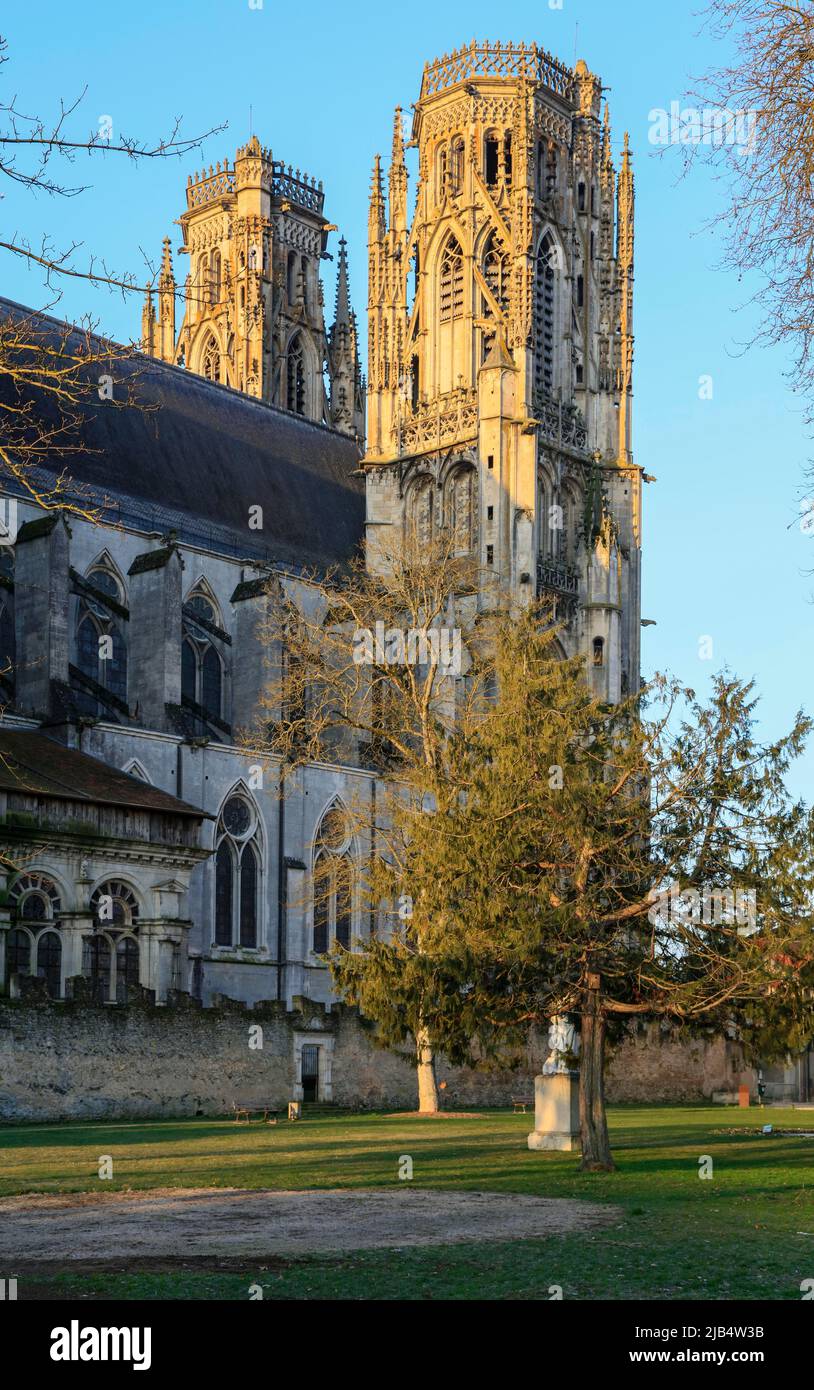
x,y
75,1061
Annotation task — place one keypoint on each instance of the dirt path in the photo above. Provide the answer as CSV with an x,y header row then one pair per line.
x,y
185,1223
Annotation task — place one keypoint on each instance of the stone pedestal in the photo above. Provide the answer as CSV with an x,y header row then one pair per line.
x,y
556,1111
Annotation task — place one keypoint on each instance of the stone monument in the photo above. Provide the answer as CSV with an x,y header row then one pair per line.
x,y
556,1091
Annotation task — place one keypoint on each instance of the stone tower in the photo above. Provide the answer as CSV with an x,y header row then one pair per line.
x,y
253,318
501,343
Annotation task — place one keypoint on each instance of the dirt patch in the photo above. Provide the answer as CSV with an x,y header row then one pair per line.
x,y
185,1223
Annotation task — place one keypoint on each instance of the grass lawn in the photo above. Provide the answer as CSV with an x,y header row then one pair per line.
x,y
748,1232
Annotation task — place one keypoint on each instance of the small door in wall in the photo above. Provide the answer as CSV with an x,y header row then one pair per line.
x,y
309,1075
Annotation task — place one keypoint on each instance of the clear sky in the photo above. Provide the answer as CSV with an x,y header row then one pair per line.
x,y
724,555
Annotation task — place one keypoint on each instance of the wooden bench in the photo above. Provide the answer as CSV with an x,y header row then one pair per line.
x,y
243,1114
519,1105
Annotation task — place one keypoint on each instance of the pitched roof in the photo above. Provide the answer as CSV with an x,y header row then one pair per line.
x,y
199,461
30,762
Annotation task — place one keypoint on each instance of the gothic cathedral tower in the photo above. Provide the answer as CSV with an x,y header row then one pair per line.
x,y
501,344
253,319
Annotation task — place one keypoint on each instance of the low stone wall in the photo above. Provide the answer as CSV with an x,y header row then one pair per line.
x,y
81,1061
651,1065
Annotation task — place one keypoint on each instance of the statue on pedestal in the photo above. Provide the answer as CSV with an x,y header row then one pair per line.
x,y
563,1044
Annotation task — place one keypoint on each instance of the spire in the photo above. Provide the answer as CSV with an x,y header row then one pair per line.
x,y
148,324
343,317
347,407
624,258
625,201
398,177
166,278
376,221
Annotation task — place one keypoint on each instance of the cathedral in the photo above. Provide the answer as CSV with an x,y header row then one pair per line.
x,y
156,854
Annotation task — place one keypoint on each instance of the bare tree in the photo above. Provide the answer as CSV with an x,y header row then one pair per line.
x,y
50,373
758,134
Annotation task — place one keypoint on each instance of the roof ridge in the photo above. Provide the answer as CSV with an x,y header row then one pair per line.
x,y
158,363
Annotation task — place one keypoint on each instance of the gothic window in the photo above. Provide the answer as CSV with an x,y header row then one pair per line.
x,y
101,648
580,197
201,666
415,382
548,170
460,508
8,643
333,882
442,165
110,957
457,165
452,281
496,273
237,874
210,361
423,519
599,651
203,282
215,278
490,159
295,376
507,156
545,315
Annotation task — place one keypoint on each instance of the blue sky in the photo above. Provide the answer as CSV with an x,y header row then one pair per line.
x,y
724,554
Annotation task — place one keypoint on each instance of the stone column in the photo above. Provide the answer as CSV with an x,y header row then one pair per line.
x,y
41,592
155,634
73,927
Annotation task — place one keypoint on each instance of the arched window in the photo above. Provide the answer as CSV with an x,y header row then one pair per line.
x,y
423,513
8,641
491,146
442,166
237,875
333,882
451,298
201,664
210,360
460,511
18,953
599,651
101,649
545,315
295,376
215,278
127,966
35,898
110,958
457,165
496,273
49,962
203,282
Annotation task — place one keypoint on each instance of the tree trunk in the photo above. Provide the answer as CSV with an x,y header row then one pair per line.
x,y
425,1066
593,1123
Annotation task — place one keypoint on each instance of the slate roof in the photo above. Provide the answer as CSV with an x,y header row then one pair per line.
x,y
198,462
30,762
